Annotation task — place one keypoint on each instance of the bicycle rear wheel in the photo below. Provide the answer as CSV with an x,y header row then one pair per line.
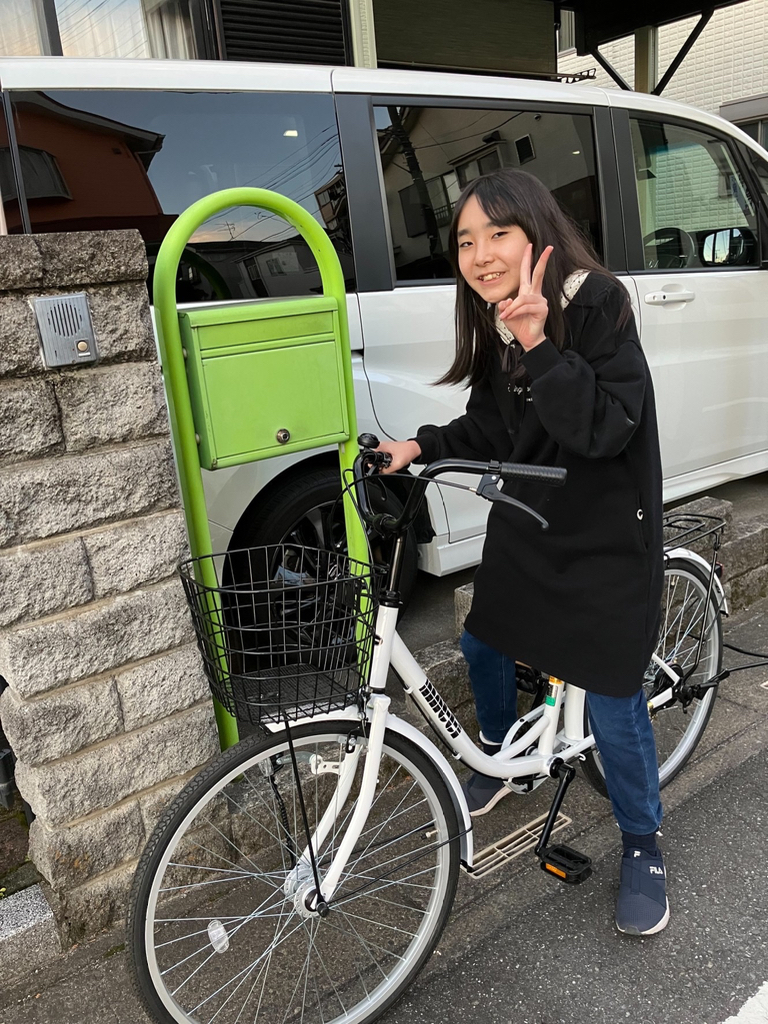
x,y
685,614
214,936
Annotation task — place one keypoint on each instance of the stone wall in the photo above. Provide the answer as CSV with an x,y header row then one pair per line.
x,y
106,707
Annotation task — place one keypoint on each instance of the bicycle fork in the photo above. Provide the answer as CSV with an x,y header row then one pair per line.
x,y
300,883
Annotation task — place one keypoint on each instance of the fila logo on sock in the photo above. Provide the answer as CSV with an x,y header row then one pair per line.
x,y
637,853
656,871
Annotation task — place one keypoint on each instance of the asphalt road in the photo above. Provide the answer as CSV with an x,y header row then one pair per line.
x,y
520,948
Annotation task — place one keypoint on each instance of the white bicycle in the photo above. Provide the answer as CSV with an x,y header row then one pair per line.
x,y
307,874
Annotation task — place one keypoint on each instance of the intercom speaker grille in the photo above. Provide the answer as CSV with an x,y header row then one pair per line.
x,y
64,319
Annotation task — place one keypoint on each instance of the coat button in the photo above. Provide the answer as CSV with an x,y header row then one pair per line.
x,y
639,513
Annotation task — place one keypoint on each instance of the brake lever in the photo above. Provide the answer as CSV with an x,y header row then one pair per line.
x,y
488,489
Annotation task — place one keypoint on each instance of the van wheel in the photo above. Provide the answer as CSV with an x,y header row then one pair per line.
x,y
307,510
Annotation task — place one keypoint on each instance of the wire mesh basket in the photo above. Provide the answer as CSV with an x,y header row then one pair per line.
x,y
285,631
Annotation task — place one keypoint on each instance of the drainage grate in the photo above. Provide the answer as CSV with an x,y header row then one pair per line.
x,y
504,850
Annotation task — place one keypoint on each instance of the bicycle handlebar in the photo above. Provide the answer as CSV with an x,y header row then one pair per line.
x,y
370,462
554,476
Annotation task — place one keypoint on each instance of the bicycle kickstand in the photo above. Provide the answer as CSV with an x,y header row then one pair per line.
x,y
561,861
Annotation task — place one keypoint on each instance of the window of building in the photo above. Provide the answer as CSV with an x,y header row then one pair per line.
x,y
692,197
125,28
112,159
428,154
22,29
566,35
757,129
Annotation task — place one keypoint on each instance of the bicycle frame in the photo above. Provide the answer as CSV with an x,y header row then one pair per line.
x,y
515,760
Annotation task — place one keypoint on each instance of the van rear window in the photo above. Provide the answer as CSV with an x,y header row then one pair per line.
x,y
98,159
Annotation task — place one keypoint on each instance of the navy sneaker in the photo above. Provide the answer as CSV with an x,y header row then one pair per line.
x,y
642,907
481,791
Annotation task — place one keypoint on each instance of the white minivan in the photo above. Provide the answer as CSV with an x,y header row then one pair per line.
x,y
675,201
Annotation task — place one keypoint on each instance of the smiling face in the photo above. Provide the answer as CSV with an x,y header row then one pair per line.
x,y
489,255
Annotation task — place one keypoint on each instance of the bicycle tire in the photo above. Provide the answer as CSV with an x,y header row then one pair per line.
x,y
220,817
677,732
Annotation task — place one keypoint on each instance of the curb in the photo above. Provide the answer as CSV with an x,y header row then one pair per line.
x,y
28,935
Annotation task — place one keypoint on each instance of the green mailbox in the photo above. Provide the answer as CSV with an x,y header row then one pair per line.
x,y
292,350
252,380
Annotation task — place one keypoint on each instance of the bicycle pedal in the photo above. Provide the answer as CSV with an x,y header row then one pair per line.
x,y
565,863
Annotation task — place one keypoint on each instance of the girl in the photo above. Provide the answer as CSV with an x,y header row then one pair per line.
x,y
546,340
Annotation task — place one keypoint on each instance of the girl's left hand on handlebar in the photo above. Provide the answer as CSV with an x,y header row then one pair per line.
x,y
403,453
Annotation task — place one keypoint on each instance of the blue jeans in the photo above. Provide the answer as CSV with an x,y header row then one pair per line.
x,y
621,727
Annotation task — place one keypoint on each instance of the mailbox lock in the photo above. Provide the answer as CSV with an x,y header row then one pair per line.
x,y
283,436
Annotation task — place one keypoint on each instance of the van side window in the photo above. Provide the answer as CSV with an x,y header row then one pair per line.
x,y
428,155
96,159
696,211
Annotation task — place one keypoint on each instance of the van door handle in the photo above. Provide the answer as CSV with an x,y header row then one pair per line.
x,y
665,298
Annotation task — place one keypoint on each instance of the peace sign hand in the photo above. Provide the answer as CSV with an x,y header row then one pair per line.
x,y
526,315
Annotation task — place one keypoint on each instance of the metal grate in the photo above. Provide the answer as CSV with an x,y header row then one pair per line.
x,y
284,31
507,849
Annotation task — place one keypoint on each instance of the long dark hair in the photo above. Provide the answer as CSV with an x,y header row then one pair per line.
x,y
511,197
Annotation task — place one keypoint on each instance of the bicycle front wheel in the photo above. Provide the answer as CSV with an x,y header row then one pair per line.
x,y
216,929
686,615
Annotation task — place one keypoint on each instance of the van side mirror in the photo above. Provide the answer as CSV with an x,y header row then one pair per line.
x,y
728,247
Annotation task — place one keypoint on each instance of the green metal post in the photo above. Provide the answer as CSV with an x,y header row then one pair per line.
x,y
172,359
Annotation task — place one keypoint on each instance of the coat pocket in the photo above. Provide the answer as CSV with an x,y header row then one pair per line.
x,y
640,520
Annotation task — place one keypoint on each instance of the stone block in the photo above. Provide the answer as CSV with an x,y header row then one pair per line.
x,y
28,936
20,348
122,322
99,778
21,263
161,686
747,588
43,579
42,499
462,602
29,420
95,905
136,553
746,548
67,857
65,648
61,723
446,668
73,258
110,404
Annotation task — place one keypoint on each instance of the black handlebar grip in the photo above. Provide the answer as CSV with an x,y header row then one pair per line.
x,y
368,441
553,475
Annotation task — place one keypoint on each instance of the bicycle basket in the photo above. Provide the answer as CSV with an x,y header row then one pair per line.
x,y
286,633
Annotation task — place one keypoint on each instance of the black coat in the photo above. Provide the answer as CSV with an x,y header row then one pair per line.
x,y
580,601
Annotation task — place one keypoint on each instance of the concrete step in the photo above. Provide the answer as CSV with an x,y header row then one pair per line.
x,y
28,936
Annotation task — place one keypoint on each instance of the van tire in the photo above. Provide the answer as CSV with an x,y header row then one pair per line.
x,y
298,509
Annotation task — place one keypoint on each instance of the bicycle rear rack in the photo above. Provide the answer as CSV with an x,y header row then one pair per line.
x,y
683,529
